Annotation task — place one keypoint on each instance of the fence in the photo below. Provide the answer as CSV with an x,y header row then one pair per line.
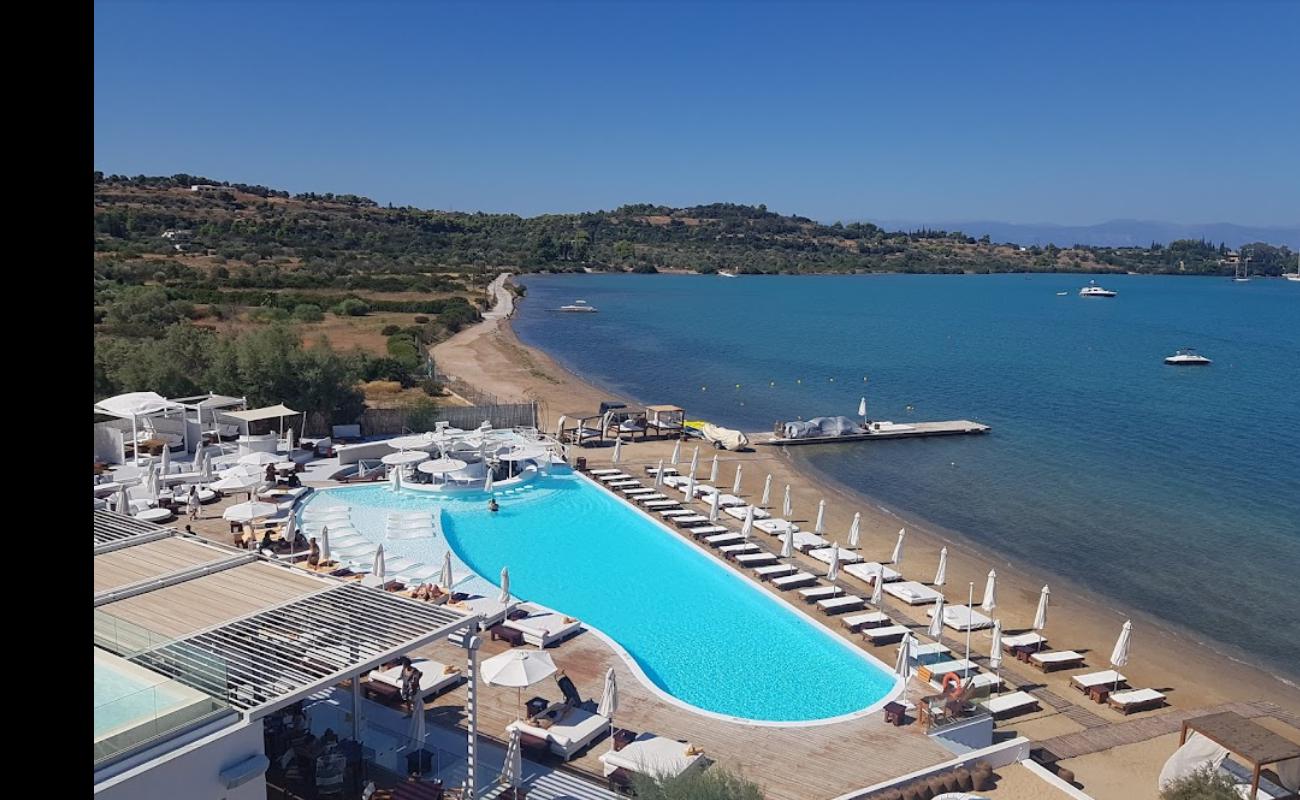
x,y
386,421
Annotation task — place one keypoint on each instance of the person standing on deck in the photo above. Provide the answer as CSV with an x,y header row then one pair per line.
x,y
192,503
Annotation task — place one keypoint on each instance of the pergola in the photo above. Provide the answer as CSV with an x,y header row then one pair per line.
x,y
585,426
665,418
1253,743
136,406
278,411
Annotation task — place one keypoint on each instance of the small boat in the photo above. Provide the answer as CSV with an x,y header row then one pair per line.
x,y
1061,294
1187,357
1291,276
579,307
722,273
1093,290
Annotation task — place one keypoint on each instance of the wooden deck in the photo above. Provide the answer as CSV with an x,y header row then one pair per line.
x,y
140,562
916,430
212,599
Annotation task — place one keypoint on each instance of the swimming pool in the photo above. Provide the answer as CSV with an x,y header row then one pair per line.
x,y
696,631
127,695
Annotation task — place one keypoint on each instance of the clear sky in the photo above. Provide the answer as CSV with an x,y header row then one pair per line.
x,y
1019,111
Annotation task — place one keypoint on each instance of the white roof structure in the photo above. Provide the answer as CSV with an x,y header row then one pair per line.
x,y
113,530
269,412
136,404
211,400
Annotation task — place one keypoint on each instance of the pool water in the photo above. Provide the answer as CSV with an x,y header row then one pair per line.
x,y
698,631
128,696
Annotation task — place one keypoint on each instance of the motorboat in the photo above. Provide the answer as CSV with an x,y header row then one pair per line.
x,y
579,307
722,273
1187,357
1093,290
1292,276
1061,294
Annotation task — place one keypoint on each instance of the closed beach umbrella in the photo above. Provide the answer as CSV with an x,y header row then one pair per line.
x,y
559,425
786,508
833,574
659,474
990,592
862,408
902,665
995,657
715,503
748,528
677,452
488,482
207,466
166,459
378,570
288,440
618,451
514,762
878,588
609,700
695,460
897,557
713,470
1119,656
735,484
787,544
1040,616
123,501
417,721
767,492
941,574
690,488
821,518
445,578
936,622
504,597
291,531
397,478
855,530
324,543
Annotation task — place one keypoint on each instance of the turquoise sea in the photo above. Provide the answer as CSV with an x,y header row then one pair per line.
x,y
1175,491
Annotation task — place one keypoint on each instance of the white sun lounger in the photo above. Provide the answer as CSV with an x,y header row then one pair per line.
x,y
1009,705
704,491
740,512
1056,659
543,627
804,541
791,581
434,677
420,573
961,618
912,593
568,736
491,609
708,530
615,476
1106,677
839,605
664,506
871,619
674,480
774,526
719,539
738,548
1135,700
1023,640
639,489
672,513
867,571
756,560
650,498
920,651
691,521
823,554
884,635
652,471
627,484
774,571
960,666
599,472
731,501
815,593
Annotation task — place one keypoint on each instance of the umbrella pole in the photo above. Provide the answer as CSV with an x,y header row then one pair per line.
x,y
970,601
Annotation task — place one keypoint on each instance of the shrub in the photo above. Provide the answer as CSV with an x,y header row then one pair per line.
x,y
1204,784
432,387
405,351
715,783
351,307
268,314
422,414
420,319
306,312
390,330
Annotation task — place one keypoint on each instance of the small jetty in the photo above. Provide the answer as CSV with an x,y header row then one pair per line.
x,y
886,430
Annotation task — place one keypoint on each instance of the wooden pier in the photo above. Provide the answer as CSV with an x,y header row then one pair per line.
x,y
913,430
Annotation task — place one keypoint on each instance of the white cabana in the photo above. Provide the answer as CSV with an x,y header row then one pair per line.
x,y
137,406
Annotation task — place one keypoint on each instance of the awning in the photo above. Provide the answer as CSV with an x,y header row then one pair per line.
x,y
270,412
136,404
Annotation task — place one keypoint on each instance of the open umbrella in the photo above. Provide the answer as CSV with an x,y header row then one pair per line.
x,y
609,701
713,470
897,557
659,474
517,669
417,722
715,505
818,527
786,508
903,664
748,528
247,512
618,451
378,569
504,597
855,530
1119,656
833,573
878,587
735,484
512,775
404,457
258,459
767,492
941,574
787,544
1040,616
236,483
990,592
936,622
677,452
695,460
995,656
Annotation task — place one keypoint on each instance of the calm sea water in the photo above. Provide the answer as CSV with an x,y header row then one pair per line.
x,y
1175,491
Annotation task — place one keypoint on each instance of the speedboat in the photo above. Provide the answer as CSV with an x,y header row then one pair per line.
x,y
579,307
1187,357
1061,294
1093,290
722,273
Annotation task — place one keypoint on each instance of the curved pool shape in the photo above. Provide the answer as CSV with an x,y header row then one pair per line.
x,y
700,633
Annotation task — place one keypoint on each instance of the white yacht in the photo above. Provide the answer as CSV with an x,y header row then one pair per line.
x,y
1187,357
1292,276
579,307
722,273
1093,290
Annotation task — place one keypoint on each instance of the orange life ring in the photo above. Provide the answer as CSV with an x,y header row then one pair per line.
x,y
956,681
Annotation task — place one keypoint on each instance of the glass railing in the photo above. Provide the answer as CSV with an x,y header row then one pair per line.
x,y
394,751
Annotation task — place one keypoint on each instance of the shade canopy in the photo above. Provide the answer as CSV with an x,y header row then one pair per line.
x,y
404,457
439,466
420,441
237,483
246,512
269,412
136,404
517,668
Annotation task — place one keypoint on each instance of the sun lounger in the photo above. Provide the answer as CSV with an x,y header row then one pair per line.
x,y
912,593
652,755
421,573
774,571
884,635
664,506
815,593
929,650
739,548
1106,677
1135,700
491,609
691,521
626,484
1009,705
434,678
639,489
776,527
740,512
674,480
804,541
616,476
652,471
678,512
566,738
1031,639
599,472
643,499
960,666
755,559
867,571
791,581
871,619
961,618
543,627
731,501
1056,659
839,605
719,539
823,554
705,491
984,679
708,530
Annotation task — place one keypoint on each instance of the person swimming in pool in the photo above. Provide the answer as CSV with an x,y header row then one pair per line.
x,y
492,505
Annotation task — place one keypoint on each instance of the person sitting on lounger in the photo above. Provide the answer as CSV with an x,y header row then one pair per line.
x,y
313,555
293,481
299,541
428,591
557,711
492,505
270,473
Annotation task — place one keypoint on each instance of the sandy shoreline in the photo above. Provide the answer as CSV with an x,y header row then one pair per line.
x,y
490,357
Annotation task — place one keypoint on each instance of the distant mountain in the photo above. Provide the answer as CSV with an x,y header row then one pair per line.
x,y
1115,233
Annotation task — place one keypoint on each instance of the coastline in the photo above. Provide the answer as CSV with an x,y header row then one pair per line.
x,y
491,357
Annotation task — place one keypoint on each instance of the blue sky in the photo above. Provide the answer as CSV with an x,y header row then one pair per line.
x,y
1020,111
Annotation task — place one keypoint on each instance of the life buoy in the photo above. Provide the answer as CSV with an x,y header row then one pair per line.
x,y
956,682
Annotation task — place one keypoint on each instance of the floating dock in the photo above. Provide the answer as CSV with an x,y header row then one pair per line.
x,y
914,430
